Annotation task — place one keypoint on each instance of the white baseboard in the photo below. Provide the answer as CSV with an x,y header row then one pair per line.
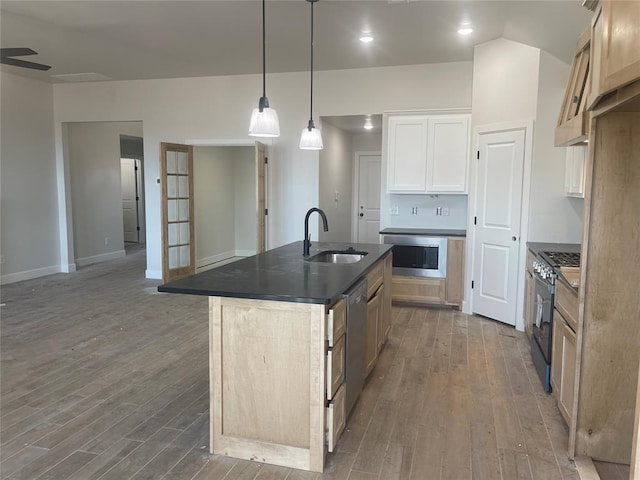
x,y
103,257
68,268
153,274
219,257
245,253
29,274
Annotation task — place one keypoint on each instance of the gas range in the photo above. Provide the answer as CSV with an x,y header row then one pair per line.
x,y
548,261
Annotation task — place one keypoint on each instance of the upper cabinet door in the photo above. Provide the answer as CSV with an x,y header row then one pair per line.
x,y
448,154
615,56
427,153
407,154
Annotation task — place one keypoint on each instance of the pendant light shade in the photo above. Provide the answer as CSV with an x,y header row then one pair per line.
x,y
264,120
311,138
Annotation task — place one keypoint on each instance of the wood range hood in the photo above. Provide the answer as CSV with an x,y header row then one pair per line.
x,y
573,121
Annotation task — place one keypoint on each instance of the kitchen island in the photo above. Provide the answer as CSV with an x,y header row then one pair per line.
x,y
277,359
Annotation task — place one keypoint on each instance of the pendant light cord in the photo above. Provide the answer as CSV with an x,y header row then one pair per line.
x,y
264,55
311,125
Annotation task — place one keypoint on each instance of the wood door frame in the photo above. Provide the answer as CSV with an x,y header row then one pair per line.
x,y
528,127
356,188
268,143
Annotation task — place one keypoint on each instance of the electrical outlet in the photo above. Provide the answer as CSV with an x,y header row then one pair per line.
x,y
393,211
445,211
438,211
106,240
414,210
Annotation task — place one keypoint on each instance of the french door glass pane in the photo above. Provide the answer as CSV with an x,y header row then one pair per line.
x,y
184,256
172,210
184,232
182,162
183,210
172,186
183,186
173,234
172,166
173,257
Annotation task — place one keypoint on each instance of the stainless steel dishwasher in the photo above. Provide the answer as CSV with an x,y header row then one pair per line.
x,y
356,342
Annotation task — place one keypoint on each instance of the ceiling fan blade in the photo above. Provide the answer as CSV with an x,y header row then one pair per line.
x,y
23,63
17,52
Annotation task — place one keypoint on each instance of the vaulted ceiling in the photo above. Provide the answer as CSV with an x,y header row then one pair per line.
x,y
125,40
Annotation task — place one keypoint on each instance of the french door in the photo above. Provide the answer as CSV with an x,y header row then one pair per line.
x,y
178,247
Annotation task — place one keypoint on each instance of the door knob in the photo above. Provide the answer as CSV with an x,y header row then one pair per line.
x,y
514,238
362,214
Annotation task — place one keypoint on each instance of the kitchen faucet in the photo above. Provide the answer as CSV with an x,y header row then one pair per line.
x,y
307,238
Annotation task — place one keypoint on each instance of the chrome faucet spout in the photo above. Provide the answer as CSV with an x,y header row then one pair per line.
x,y
306,244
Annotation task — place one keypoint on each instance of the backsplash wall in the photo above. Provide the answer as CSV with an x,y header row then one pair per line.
x,y
425,217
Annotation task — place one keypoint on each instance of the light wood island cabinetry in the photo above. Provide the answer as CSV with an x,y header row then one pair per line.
x,y
287,336
277,375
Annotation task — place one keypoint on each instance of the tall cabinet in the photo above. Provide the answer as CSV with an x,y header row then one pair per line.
x,y
604,422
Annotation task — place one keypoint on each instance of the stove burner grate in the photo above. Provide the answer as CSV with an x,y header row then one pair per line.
x,y
562,259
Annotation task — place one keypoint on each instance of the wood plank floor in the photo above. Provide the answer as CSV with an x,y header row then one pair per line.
x,y
104,378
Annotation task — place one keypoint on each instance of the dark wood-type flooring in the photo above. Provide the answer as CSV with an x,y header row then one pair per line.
x,y
104,378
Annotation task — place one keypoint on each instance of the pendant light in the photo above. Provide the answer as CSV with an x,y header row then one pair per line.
x,y
311,139
264,120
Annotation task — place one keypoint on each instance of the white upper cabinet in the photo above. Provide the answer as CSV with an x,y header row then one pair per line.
x,y
574,171
447,154
427,153
407,153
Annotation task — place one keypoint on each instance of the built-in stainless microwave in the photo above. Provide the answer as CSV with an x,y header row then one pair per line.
x,y
418,256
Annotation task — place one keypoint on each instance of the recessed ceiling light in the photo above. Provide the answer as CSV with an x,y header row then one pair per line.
x,y
366,38
465,30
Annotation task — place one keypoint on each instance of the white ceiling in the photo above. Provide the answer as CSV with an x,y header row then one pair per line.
x,y
126,40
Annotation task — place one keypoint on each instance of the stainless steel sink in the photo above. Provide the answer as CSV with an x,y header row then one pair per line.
x,y
338,256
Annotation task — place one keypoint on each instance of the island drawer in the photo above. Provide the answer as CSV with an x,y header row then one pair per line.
x,y
335,367
336,321
336,418
374,279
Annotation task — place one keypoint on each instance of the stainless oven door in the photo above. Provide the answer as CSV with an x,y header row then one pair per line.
x,y
419,256
543,316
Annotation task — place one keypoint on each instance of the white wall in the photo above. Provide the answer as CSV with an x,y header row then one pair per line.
x,y
335,175
29,235
244,181
219,108
553,217
366,142
214,199
96,194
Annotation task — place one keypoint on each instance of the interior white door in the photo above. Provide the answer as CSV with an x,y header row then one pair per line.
x,y
369,167
129,203
497,233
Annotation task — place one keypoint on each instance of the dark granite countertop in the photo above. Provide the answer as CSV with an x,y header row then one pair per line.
x,y
427,232
282,274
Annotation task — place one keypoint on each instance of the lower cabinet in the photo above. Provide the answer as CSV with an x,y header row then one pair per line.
x,y
336,418
563,365
427,290
418,289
